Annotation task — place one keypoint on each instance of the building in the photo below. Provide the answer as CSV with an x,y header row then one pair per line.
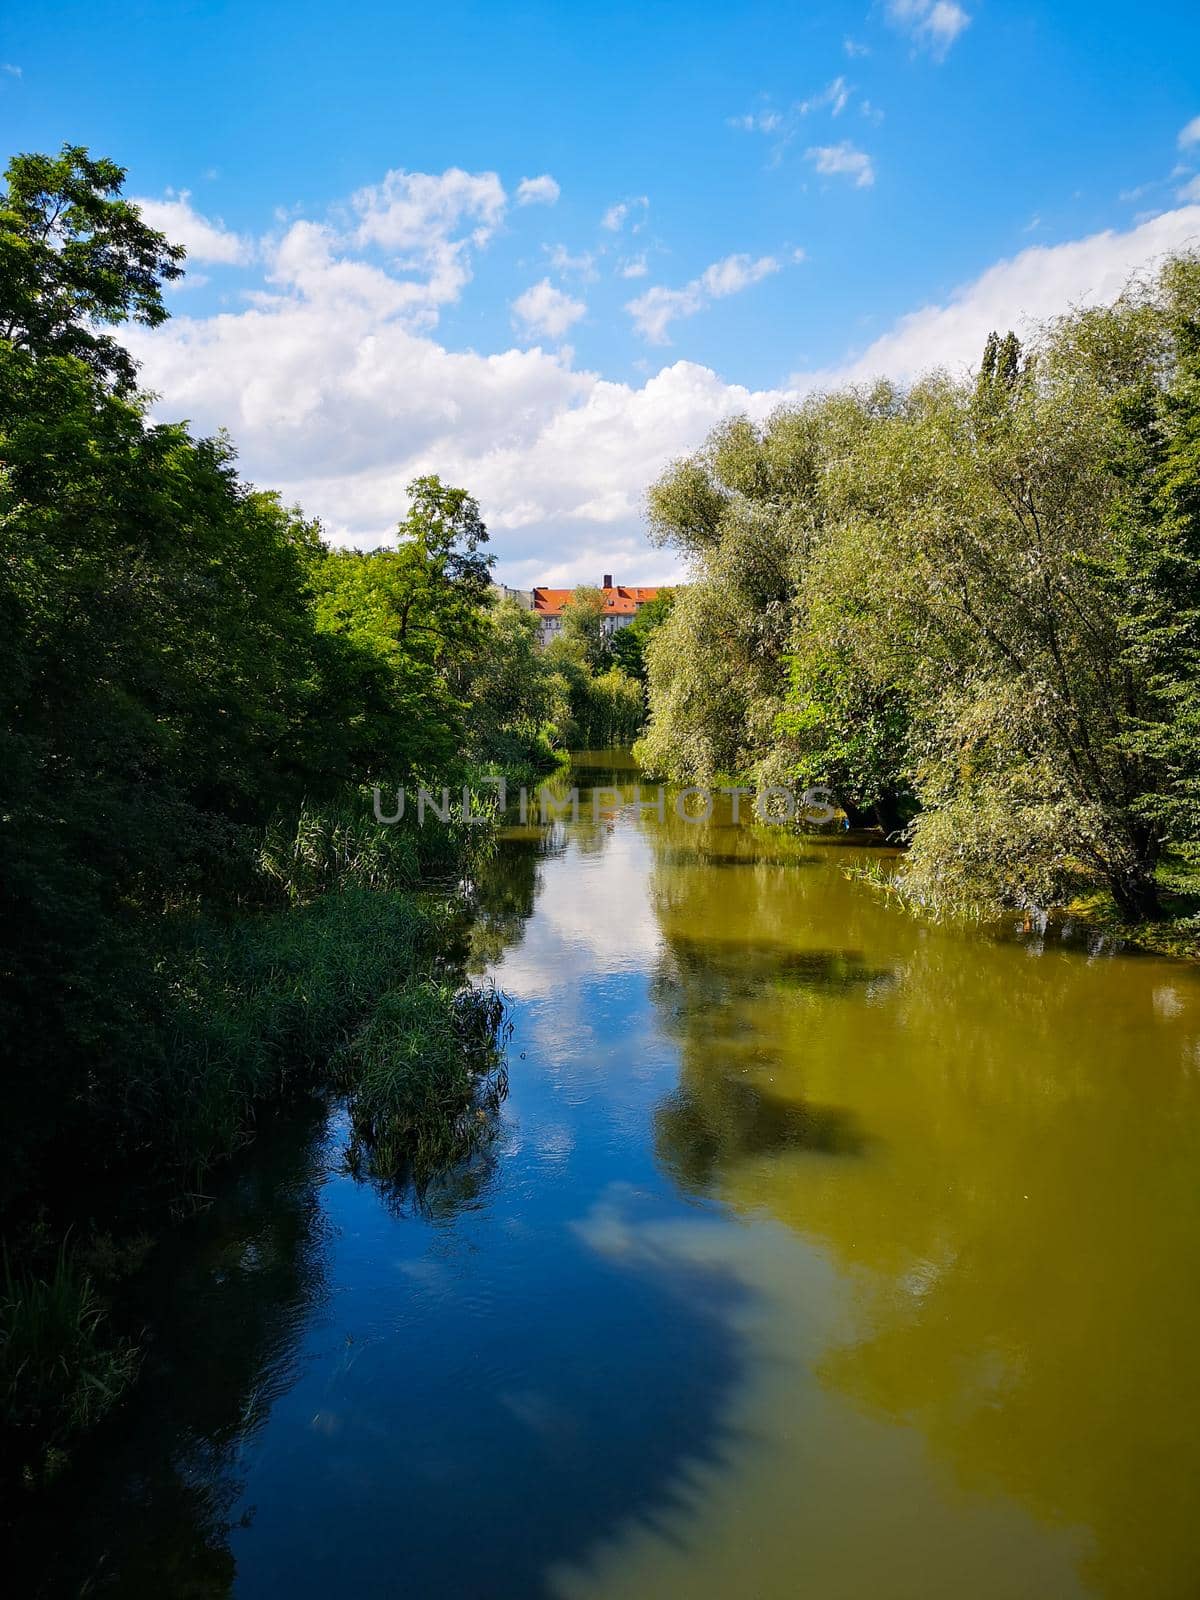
x,y
621,605
523,597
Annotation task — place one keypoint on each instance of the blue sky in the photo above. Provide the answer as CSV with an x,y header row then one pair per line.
x,y
810,193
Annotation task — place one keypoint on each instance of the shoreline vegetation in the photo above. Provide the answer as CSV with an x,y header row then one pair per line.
x,y
971,609
201,919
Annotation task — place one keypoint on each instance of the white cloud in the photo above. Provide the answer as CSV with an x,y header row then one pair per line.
x,y
1189,134
615,217
427,224
654,311
415,212
835,95
202,238
338,394
547,310
12,70
933,24
1190,190
843,160
834,98
1041,282
758,122
541,191
309,261
853,48
562,261
736,273
636,268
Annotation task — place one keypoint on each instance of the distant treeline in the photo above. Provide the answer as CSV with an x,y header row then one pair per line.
x,y
971,607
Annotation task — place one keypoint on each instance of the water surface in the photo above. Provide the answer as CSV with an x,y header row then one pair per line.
x,y
819,1253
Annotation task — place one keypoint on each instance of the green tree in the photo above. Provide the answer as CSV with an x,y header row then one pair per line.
x,y
74,255
628,645
583,634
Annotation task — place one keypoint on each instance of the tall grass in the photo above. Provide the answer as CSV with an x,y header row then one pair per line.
x,y
343,843
424,1075
61,1369
262,1004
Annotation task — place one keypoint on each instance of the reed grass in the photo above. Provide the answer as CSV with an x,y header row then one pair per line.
x,y
424,1075
61,1368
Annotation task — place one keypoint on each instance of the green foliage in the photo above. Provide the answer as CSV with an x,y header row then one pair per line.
x,y
517,713
582,635
61,1368
600,709
410,615
629,644
425,1077
972,607
331,846
74,255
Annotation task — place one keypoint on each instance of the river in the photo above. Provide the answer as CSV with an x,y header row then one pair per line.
x,y
819,1252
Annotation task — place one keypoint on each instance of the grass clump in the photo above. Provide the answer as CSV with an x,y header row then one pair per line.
x,y
61,1367
342,843
265,1001
425,1076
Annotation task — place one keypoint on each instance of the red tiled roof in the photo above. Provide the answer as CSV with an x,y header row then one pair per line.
x,y
618,601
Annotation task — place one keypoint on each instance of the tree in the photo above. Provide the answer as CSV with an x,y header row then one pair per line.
x,y
583,633
974,607
73,254
513,694
1157,566
628,644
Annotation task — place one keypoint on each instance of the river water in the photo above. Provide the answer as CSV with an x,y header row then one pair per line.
x,y
819,1252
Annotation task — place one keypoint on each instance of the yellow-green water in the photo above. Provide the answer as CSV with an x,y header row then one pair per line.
x,y
822,1253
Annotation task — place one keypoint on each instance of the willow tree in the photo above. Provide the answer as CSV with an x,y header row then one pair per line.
x,y
974,605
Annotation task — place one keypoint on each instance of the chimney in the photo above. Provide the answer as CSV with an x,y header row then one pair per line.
x,y
607,584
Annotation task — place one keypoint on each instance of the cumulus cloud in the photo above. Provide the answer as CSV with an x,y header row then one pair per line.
x,y
636,267
843,160
413,213
337,392
541,191
654,311
546,310
202,238
736,273
1189,134
1041,282
933,24
426,224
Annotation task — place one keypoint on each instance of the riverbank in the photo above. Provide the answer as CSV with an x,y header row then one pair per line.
x,y
1175,934
349,980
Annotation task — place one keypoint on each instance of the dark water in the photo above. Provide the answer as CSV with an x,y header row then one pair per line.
x,y
820,1253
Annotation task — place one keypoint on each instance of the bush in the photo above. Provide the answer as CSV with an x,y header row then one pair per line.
x,y
425,1075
